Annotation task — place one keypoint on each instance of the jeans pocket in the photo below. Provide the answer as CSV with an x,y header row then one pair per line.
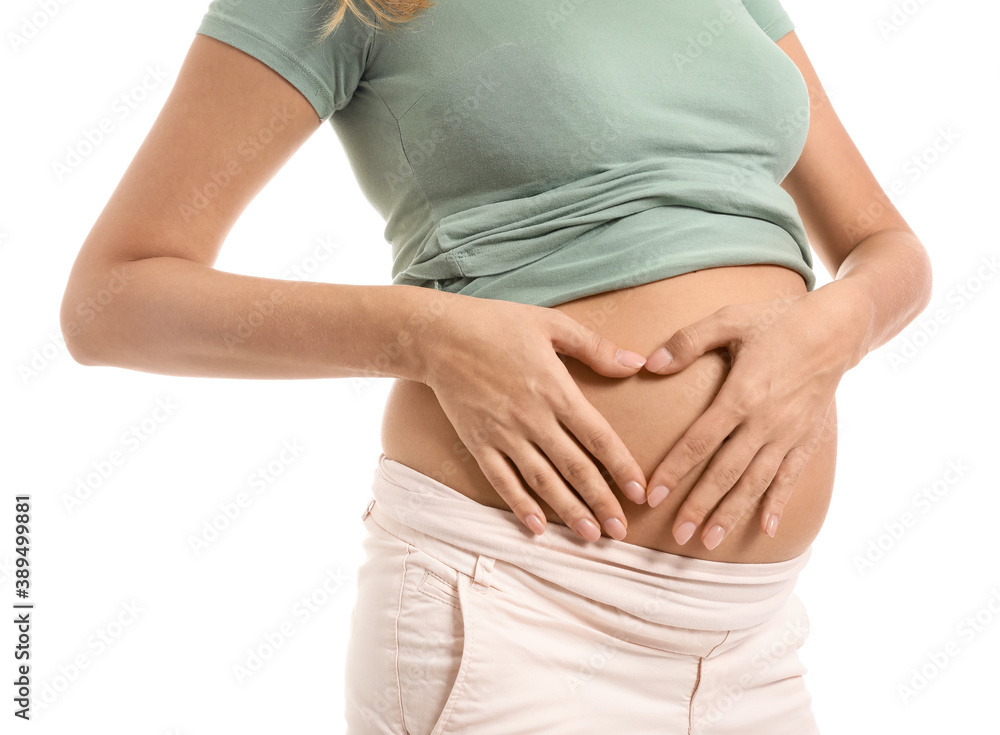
x,y
371,686
433,643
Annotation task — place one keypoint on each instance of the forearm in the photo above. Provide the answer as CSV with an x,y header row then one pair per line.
x,y
178,317
882,285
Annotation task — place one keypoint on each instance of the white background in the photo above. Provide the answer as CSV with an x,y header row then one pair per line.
x,y
170,668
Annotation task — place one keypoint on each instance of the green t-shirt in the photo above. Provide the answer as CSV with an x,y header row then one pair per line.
x,y
543,150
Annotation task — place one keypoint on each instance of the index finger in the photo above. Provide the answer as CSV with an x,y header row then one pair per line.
x,y
700,440
595,433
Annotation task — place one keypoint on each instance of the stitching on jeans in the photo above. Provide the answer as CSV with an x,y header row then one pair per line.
x,y
724,639
420,588
697,681
399,608
412,548
458,690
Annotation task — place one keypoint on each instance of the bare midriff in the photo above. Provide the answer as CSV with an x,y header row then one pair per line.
x,y
649,412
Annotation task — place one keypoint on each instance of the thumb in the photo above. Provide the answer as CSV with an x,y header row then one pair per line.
x,y
571,338
691,342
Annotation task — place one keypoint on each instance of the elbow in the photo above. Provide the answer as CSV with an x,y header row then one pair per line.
x,y
78,353
916,269
925,276
77,321
87,316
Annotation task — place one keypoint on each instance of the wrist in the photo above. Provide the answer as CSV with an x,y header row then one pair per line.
x,y
429,320
849,308
397,328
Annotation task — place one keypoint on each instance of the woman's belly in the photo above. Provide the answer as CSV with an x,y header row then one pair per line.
x,y
649,412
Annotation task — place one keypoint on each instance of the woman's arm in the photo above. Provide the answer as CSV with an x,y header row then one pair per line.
x,y
789,354
143,295
858,234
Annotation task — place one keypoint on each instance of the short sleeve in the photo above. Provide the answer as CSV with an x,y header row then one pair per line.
x,y
770,16
284,35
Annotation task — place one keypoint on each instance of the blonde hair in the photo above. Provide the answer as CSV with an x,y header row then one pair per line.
x,y
385,11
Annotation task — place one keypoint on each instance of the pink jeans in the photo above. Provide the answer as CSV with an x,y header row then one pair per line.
x,y
466,622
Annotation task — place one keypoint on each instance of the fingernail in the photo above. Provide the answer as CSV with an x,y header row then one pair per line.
x,y
684,532
615,528
535,524
588,529
630,359
714,536
659,360
634,491
772,525
657,496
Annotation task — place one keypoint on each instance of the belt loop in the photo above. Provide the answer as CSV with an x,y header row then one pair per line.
x,y
483,578
368,510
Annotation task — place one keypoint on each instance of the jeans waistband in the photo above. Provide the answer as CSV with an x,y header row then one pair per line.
x,y
656,586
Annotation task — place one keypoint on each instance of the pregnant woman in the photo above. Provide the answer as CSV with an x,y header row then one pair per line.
x,y
612,436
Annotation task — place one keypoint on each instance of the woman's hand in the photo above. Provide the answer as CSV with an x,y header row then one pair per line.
x,y
494,368
788,356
